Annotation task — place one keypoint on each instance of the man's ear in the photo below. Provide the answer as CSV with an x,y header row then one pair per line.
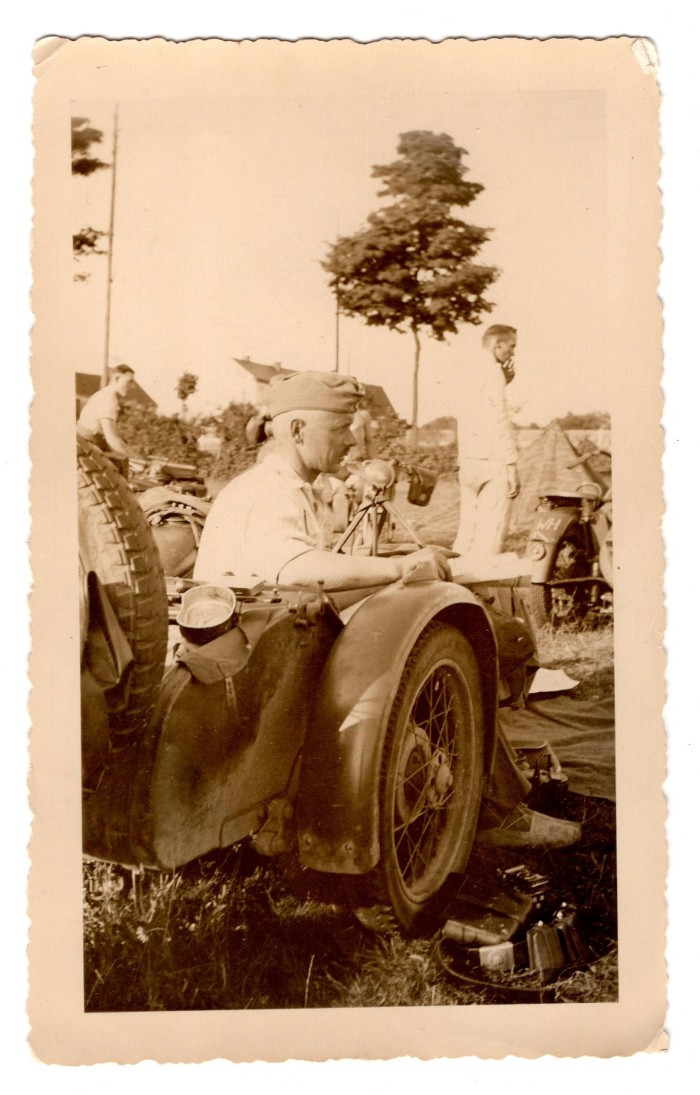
x,y
296,428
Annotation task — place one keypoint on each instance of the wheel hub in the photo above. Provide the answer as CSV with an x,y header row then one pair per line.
x,y
427,776
443,779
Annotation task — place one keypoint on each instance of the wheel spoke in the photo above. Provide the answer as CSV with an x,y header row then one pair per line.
x,y
416,849
430,818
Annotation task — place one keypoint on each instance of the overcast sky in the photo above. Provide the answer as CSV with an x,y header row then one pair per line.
x,y
232,181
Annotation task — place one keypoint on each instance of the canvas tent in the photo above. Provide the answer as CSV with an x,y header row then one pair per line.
x,y
545,464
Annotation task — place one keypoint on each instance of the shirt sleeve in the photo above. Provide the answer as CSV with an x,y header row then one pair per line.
x,y
110,407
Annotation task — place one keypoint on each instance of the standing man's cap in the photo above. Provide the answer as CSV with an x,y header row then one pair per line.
x,y
314,391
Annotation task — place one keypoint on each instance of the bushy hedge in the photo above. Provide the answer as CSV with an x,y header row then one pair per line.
x,y
391,443
153,434
175,438
236,454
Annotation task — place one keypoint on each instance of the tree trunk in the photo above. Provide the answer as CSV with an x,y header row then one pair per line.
x,y
413,436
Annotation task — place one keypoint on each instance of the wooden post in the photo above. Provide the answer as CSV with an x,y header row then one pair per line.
x,y
110,248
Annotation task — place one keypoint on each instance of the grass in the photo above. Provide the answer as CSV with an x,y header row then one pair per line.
x,y
234,931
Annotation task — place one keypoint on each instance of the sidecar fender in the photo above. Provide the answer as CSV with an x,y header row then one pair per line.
x,y
549,527
338,800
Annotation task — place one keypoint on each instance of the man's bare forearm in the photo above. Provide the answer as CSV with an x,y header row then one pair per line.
x,y
338,571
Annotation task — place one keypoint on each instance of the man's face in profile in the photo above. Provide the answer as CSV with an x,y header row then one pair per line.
x,y
324,440
504,349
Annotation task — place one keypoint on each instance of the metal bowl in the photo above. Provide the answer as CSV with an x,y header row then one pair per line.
x,y
206,612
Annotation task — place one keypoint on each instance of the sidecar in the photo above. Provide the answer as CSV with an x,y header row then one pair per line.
x,y
356,728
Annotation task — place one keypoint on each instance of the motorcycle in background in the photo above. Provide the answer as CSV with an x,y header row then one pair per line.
x,y
173,498
571,550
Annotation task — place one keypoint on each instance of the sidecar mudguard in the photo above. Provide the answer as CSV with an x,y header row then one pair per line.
x,y
549,527
339,791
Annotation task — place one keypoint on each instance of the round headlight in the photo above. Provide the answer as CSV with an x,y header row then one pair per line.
x,y
536,550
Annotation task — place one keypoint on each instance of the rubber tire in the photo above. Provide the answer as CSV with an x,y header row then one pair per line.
x,y
540,605
117,545
441,649
541,595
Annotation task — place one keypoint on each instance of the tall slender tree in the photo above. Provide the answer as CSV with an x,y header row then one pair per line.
x,y
412,267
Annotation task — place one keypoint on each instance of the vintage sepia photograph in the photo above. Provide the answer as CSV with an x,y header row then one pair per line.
x,y
348,692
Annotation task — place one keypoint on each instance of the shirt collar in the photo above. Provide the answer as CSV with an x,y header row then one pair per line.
x,y
283,468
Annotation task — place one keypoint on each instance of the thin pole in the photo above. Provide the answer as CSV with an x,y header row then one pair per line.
x,y
110,248
337,306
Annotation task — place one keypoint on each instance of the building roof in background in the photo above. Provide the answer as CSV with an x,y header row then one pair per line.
x,y
86,384
379,400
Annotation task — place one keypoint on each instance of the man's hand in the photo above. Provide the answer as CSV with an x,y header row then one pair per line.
x,y
513,480
423,565
508,368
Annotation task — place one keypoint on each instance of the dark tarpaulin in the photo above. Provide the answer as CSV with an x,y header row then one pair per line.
x,y
581,733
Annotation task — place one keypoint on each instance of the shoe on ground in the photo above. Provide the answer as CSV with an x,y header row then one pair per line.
x,y
525,828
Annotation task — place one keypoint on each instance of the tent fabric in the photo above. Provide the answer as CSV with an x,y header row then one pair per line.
x,y
542,465
581,733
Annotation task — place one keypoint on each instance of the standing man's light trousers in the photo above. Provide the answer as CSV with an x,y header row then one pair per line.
x,y
484,506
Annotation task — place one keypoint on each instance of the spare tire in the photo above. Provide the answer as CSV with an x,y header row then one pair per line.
x,y
116,543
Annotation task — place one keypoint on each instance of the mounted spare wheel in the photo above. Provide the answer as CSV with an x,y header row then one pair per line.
x,y
123,596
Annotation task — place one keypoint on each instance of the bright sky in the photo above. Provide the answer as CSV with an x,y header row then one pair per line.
x,y
230,187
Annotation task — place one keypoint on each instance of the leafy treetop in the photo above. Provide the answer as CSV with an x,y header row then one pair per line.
x,y
83,137
413,265
412,268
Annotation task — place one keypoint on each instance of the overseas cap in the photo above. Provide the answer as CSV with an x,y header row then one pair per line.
x,y
314,391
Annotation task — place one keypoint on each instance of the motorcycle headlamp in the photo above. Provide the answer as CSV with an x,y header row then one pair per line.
x,y
536,550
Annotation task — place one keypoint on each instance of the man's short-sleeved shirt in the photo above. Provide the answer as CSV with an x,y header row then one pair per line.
x,y
103,404
260,521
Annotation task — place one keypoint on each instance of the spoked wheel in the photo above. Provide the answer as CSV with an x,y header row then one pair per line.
x,y
559,605
432,775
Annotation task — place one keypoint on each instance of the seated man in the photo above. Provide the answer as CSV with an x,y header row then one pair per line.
x,y
268,522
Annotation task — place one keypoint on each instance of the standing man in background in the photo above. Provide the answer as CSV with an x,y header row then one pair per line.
x,y
98,418
488,476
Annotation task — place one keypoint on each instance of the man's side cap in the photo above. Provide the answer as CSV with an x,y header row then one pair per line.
x,y
314,391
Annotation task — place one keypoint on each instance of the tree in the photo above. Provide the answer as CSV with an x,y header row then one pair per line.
x,y
412,268
83,137
592,420
186,386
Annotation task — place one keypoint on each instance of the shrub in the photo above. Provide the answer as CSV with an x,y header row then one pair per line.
x,y
153,434
236,454
391,443
175,438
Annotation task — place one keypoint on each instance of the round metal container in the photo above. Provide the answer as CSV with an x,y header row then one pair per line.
x,y
205,613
